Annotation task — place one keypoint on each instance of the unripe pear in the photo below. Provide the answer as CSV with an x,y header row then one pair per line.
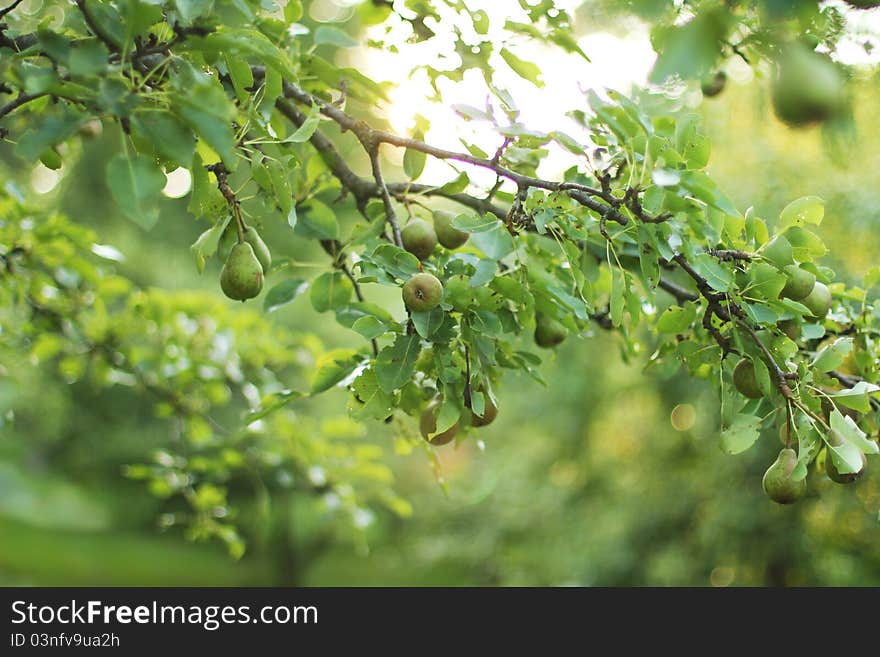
x,y
744,379
713,84
818,300
428,425
791,328
242,275
91,129
799,284
778,483
490,412
548,331
778,251
422,292
419,238
447,234
252,237
51,159
831,469
808,87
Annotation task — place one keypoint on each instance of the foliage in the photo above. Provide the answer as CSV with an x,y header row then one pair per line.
x,y
635,238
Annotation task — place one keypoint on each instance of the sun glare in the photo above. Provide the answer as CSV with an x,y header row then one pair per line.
x,y
616,63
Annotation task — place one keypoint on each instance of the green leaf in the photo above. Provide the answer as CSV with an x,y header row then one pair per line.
x,y
317,220
857,397
427,323
741,434
846,427
190,10
135,182
525,69
677,319
474,223
395,364
805,210
247,42
201,102
171,138
370,326
333,367
833,355
456,186
717,276
327,34
396,262
414,162
308,127
809,445
331,290
496,243
206,245
283,293
88,58
375,403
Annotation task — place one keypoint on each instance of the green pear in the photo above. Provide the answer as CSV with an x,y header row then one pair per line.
x,y
447,234
419,238
744,379
252,237
422,292
831,468
242,275
808,87
791,328
818,300
548,331
713,84
799,283
51,159
778,483
428,425
490,412
91,129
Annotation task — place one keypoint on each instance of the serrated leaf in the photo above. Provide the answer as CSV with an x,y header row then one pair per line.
x,y
676,319
717,276
395,364
741,434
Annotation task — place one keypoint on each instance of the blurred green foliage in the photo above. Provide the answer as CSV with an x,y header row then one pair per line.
x,y
609,476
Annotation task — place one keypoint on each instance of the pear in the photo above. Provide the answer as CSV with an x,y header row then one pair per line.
x,y
744,379
799,284
490,412
548,331
51,159
422,292
778,483
419,238
447,234
791,328
713,84
831,469
808,86
242,275
252,237
818,300
428,425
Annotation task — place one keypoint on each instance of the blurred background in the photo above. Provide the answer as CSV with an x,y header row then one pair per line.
x,y
612,475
